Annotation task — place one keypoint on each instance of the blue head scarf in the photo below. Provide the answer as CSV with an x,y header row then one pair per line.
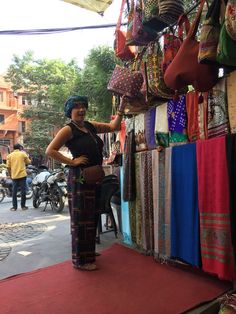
x,y
72,101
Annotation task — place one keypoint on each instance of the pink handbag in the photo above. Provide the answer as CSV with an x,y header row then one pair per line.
x,y
125,82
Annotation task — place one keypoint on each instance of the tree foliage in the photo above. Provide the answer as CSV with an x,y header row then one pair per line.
x,y
99,66
48,83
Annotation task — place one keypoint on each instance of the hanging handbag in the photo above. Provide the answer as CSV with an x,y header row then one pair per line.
x,y
172,43
209,36
125,82
156,84
170,10
150,16
185,69
226,48
159,14
122,51
141,34
230,19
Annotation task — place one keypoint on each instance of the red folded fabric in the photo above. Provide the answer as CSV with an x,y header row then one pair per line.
x,y
213,189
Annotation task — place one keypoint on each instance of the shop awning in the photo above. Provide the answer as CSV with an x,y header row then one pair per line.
x,y
98,6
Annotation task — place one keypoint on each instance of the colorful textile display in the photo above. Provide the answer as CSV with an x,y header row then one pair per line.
x,y
218,120
177,116
129,168
135,208
184,205
177,120
231,100
231,164
161,209
146,201
124,213
213,191
98,6
139,127
161,126
196,116
150,118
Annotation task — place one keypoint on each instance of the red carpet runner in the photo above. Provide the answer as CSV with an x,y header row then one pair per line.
x,y
126,282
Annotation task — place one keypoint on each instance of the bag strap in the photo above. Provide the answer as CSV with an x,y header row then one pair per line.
x,y
214,11
118,25
194,27
183,24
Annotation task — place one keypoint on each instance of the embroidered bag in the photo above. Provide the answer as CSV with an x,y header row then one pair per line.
x,y
209,36
230,18
150,15
141,34
185,70
226,48
156,84
159,14
125,82
172,43
170,10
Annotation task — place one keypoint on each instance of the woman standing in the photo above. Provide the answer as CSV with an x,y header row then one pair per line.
x,y
81,138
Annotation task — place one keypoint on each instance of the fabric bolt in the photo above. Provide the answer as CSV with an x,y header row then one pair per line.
x,y
126,231
176,138
139,127
231,164
218,120
202,117
138,201
177,116
161,225
129,190
150,118
231,100
135,209
83,204
184,205
146,201
214,208
196,116
168,154
161,126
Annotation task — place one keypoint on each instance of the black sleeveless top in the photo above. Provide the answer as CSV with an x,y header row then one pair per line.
x,y
86,144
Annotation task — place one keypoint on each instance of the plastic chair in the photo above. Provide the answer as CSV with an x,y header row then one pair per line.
x,y
109,187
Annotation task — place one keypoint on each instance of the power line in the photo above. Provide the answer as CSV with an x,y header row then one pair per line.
x,y
53,30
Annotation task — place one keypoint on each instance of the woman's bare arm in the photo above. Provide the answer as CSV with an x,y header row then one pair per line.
x,y
60,139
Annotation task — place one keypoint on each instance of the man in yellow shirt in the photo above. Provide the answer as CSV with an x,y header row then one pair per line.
x,y
16,165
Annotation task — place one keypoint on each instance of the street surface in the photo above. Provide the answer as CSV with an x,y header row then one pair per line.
x,y
34,239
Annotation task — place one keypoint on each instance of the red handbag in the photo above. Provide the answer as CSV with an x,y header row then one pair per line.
x,y
122,51
185,70
125,82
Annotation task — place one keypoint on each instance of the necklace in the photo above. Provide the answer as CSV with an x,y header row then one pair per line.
x,y
81,127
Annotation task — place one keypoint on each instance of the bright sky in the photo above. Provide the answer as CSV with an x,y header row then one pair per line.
x,y
42,14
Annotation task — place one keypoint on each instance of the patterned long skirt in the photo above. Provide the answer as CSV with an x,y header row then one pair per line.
x,y
83,202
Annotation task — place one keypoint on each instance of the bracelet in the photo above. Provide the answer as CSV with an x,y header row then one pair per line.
x,y
120,113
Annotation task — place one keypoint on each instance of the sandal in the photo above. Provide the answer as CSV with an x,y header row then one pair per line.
x,y
88,267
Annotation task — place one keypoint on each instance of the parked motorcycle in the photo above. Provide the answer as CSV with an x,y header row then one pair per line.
x,y
6,188
50,188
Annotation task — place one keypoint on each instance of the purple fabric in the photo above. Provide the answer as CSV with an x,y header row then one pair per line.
x,y
177,115
150,118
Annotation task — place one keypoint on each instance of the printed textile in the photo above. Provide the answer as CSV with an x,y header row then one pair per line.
x,y
146,201
213,187
218,120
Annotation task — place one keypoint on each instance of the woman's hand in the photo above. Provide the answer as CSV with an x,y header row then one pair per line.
x,y
80,161
123,103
